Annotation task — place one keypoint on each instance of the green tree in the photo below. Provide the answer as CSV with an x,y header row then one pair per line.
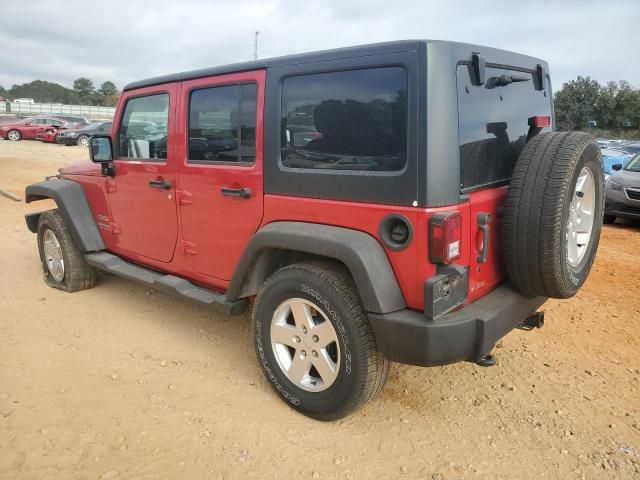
x,y
44,92
83,87
108,89
576,102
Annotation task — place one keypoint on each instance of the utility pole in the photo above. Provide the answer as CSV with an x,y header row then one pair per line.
x,y
255,45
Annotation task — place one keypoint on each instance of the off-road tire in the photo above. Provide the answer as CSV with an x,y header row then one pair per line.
x,y
78,275
608,219
363,369
537,210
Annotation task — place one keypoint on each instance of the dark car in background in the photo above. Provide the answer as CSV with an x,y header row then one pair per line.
x,y
80,136
622,192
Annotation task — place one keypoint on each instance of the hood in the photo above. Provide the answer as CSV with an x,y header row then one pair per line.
x,y
85,167
627,178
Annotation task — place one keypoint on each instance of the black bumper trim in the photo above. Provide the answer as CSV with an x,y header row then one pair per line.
x,y
470,333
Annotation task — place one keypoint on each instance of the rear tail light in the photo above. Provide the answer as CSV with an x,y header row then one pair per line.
x,y
445,233
540,121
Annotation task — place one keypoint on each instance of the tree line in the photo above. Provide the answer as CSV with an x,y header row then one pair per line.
x,y
83,92
615,105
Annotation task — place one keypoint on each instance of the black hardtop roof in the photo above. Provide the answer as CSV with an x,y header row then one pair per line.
x,y
323,55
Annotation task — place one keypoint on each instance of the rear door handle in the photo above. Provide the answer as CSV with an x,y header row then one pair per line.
x,y
243,192
164,184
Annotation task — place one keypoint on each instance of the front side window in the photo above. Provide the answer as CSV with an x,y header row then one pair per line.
x,y
348,120
222,124
144,128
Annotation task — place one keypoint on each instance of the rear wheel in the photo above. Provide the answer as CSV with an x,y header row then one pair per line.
x,y
83,141
63,264
553,214
314,342
14,135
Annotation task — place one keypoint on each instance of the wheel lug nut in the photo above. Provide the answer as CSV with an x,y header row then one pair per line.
x,y
315,338
314,353
304,329
303,354
296,339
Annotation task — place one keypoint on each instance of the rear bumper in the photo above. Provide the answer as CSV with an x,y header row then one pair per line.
x,y
468,334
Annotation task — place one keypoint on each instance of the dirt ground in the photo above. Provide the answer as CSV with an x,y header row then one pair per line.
x,y
122,382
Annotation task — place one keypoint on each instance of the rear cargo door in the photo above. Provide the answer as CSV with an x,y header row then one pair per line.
x,y
493,121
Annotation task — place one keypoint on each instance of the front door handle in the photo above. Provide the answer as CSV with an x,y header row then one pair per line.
x,y
243,192
164,184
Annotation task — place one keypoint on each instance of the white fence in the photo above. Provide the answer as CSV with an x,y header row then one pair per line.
x,y
39,108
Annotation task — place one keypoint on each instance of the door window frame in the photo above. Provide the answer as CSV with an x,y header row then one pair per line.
x,y
187,109
144,92
257,77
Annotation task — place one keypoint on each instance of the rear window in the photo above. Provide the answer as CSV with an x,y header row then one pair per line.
x,y
493,124
347,120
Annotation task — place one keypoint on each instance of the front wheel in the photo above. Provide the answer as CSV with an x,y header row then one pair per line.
x,y
14,135
314,342
83,141
63,264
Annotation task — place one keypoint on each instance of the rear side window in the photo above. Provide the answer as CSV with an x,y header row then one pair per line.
x,y
222,124
348,120
144,127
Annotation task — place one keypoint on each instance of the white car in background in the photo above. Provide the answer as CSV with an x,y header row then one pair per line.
x,y
24,100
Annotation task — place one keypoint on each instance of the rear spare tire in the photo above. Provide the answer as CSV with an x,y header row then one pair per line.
x,y
553,214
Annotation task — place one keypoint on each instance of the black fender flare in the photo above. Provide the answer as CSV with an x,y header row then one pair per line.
x,y
73,206
361,253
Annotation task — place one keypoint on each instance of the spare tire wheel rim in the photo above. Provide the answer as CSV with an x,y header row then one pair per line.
x,y
581,217
305,345
53,255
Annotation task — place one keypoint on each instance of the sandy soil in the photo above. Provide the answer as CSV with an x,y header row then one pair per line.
x,y
123,382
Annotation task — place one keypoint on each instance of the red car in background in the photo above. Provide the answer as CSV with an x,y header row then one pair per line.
x,y
50,133
28,128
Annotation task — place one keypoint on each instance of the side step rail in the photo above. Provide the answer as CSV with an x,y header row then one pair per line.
x,y
165,283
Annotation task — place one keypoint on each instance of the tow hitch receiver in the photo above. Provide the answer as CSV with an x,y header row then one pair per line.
x,y
533,321
487,361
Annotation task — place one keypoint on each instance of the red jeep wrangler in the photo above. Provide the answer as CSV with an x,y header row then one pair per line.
x,y
406,201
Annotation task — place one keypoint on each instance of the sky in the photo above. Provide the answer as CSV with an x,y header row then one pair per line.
x,y
127,40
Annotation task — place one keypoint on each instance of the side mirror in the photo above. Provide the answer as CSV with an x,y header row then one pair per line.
x,y
102,153
100,149
616,166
